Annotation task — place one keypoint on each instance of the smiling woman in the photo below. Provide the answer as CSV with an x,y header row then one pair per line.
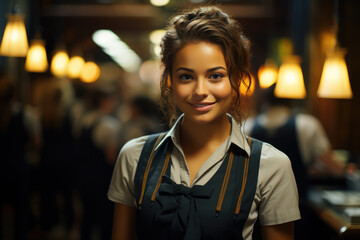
x,y
202,179
218,29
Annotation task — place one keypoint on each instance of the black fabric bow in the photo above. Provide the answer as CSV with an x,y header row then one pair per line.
x,y
178,208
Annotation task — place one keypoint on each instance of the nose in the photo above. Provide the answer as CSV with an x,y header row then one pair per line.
x,y
201,88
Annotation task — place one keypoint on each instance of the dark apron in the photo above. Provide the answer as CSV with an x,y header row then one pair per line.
x,y
216,210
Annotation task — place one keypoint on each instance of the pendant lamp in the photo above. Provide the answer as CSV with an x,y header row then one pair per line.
x,y
59,63
159,3
268,73
334,81
290,82
90,72
14,42
36,59
75,66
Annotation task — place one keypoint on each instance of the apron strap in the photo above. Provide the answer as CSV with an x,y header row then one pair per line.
x,y
143,186
246,169
225,183
165,166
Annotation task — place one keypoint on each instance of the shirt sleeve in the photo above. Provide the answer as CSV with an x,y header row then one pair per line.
x,y
313,139
121,188
277,186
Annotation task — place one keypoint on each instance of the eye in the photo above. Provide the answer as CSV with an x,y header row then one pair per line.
x,y
216,76
185,76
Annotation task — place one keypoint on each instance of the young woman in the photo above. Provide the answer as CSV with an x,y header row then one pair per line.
x,y
203,179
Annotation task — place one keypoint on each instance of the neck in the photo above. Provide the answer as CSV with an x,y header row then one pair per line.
x,y
195,135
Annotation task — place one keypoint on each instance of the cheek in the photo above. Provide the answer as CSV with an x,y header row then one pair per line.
x,y
223,91
180,92
226,95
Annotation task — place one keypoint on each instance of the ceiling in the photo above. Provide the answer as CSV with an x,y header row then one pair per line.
x,y
71,23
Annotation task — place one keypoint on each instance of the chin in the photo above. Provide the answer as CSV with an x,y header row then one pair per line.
x,y
203,119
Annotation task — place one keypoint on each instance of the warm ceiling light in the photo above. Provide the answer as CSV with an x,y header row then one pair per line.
x,y
334,81
14,42
90,72
268,73
290,82
156,50
156,36
118,50
75,66
245,89
59,63
159,3
36,59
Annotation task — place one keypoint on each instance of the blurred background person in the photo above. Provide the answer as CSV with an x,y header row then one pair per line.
x,y
57,161
98,147
19,134
301,137
143,117
276,119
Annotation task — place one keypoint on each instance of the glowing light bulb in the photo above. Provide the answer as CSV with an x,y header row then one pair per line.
x,y
36,59
59,63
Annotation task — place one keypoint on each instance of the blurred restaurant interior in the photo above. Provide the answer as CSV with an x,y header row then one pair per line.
x,y
116,46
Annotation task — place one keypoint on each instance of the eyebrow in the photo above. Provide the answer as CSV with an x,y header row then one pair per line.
x,y
209,70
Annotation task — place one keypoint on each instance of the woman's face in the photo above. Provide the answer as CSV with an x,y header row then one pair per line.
x,y
200,82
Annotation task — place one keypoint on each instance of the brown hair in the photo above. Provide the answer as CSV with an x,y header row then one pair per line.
x,y
212,25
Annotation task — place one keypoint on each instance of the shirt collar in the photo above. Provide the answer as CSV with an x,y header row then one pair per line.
x,y
173,134
237,137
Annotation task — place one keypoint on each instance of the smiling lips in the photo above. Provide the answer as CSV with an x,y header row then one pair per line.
x,y
202,107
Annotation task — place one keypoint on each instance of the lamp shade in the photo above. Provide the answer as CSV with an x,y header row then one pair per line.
x,y
334,81
14,42
268,73
75,66
290,82
36,59
159,3
90,72
59,63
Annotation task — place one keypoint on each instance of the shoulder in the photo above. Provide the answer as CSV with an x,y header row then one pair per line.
x,y
133,147
122,184
129,157
306,121
273,162
270,154
310,128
